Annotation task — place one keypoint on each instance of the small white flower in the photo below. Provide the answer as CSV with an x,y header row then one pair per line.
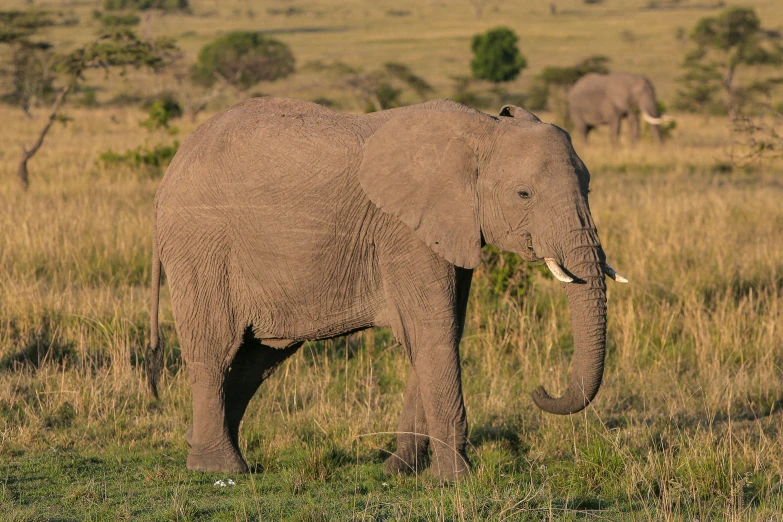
x,y
231,482
220,483
384,484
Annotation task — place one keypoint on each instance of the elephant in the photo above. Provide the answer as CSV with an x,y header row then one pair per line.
x,y
605,99
280,221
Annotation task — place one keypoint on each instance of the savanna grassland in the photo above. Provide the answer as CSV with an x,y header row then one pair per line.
x,y
689,421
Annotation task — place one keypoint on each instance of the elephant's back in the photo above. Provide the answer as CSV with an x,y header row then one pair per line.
x,y
258,138
266,159
588,83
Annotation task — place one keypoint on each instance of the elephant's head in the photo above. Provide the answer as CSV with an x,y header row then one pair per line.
x,y
643,97
460,179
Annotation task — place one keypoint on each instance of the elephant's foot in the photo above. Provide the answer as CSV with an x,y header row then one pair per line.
x,y
225,461
449,466
406,461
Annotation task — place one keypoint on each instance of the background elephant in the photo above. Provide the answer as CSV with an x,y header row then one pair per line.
x,y
280,221
605,99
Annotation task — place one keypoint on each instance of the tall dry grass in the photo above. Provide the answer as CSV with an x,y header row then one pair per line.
x,y
687,424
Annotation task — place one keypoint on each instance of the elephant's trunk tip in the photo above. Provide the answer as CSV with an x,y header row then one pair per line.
x,y
569,403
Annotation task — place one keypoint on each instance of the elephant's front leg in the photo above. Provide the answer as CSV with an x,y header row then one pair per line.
x,y
615,126
633,127
411,455
426,311
438,372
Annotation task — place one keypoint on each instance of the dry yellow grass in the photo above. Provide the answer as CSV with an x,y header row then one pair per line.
x,y
686,426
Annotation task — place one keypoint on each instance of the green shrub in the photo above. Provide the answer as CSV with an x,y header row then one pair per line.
x,y
154,159
327,102
505,274
161,110
496,57
537,96
143,5
243,58
462,92
119,20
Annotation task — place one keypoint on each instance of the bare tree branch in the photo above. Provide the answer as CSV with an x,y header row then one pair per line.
x,y
757,136
21,171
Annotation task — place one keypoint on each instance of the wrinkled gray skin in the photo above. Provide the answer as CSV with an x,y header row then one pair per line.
x,y
280,221
606,99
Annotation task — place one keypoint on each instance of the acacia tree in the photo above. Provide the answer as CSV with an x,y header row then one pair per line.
x,y
30,58
118,49
724,43
241,59
758,136
381,89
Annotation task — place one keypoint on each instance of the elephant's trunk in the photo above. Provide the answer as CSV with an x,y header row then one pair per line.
x,y
587,302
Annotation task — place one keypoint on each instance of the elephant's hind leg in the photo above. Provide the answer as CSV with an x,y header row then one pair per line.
x,y
212,446
252,364
412,454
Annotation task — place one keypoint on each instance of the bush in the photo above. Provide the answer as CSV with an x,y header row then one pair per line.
x,y
327,102
143,5
567,76
119,20
243,58
161,110
537,96
387,95
464,94
505,274
153,160
496,57
403,73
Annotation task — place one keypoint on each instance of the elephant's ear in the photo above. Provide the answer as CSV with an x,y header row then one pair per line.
x,y
512,111
418,168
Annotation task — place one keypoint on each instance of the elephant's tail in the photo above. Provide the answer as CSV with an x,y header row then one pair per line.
x,y
153,360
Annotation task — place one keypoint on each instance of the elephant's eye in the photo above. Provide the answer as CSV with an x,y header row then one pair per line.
x,y
524,194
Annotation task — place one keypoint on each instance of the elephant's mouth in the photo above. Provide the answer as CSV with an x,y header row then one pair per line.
x,y
554,266
528,253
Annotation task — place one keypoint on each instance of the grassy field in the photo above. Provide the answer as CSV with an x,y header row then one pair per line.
x,y
687,425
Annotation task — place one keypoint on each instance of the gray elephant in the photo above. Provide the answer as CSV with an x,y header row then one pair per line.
x,y
280,221
605,99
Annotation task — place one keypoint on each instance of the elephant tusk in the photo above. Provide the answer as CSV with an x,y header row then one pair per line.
x,y
651,119
557,271
611,272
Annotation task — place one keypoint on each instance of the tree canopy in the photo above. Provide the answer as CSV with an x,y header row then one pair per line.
x,y
496,57
243,58
723,43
